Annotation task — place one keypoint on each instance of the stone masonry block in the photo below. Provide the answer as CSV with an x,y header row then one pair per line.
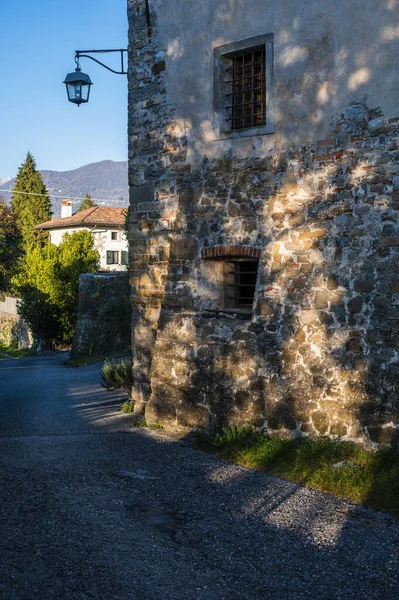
x,y
184,249
141,194
389,241
362,285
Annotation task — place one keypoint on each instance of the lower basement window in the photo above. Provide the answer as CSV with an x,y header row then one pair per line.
x,y
240,282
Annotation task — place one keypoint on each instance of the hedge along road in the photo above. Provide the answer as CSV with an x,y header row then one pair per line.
x,y
92,508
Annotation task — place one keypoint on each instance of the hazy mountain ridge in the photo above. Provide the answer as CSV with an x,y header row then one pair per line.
x,y
106,181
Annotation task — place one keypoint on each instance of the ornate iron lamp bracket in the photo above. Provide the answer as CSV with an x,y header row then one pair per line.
x,y
86,54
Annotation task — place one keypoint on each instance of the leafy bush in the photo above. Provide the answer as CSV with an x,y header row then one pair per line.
x,y
48,285
117,374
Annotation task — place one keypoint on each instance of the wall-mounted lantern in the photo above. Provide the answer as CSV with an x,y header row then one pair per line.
x,y
78,84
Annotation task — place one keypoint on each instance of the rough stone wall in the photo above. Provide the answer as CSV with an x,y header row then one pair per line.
x,y
326,55
319,353
14,331
157,151
104,317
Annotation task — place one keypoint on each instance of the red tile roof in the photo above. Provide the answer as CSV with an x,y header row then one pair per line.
x,y
97,215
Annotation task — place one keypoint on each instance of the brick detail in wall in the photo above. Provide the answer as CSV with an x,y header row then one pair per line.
x,y
226,251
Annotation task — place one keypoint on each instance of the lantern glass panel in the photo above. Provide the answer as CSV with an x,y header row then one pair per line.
x,y
85,91
74,91
78,92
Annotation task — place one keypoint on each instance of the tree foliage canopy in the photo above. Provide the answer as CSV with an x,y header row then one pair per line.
x,y
9,246
49,286
87,202
30,203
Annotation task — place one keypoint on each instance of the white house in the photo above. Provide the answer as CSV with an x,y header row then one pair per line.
x,y
104,223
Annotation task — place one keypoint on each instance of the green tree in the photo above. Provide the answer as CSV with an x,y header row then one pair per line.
x,y
48,286
9,245
30,203
87,202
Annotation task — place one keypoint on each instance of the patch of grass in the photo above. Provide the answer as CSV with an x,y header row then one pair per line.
x,y
127,407
15,352
156,425
344,469
139,423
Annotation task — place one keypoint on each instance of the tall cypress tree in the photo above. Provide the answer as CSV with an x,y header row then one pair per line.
x,y
30,203
87,202
10,246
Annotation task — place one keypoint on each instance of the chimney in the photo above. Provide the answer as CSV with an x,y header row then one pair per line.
x,y
66,209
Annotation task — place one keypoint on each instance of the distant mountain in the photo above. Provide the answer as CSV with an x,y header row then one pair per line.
x,y
105,181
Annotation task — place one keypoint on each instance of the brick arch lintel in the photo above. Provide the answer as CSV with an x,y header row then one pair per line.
x,y
229,251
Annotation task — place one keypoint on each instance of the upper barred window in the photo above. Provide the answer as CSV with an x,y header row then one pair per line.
x,y
243,87
246,78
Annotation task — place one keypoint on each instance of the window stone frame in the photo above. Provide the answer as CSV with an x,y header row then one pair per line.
x,y
221,57
227,298
220,257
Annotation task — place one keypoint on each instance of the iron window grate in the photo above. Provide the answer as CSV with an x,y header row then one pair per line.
x,y
241,282
246,81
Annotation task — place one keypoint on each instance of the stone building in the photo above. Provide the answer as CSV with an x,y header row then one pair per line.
x,y
264,199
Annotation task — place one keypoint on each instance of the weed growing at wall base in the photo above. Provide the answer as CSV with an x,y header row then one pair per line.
x,y
127,407
139,422
117,374
344,469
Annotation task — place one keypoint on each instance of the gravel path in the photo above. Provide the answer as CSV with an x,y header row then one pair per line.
x,y
93,509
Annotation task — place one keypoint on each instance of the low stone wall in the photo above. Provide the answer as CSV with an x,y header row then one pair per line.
x,y
8,305
104,319
319,354
14,331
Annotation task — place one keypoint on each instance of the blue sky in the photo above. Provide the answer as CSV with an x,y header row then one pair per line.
x,y
37,45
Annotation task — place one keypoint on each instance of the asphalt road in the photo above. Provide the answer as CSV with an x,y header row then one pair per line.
x,y
91,508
